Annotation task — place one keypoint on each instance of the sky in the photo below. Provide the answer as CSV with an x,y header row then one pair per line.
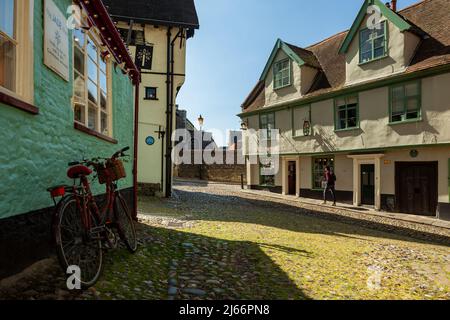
x,y
227,55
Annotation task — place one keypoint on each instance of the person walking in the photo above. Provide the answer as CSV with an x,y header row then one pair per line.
x,y
330,180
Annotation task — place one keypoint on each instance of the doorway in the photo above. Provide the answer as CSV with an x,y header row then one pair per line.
x,y
292,178
368,184
416,185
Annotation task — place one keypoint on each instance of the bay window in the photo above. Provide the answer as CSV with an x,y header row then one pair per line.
x,y
91,87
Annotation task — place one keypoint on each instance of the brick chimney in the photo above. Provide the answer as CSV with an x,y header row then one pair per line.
x,y
394,5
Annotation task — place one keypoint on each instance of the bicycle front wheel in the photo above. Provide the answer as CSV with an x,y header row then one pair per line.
x,y
124,224
76,247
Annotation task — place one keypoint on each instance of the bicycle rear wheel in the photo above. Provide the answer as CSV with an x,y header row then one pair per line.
x,y
75,245
124,224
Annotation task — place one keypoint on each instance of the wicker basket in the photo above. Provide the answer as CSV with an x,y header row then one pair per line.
x,y
113,170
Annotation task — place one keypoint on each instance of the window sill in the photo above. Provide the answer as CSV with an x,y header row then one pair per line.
x,y
405,121
347,129
301,136
91,132
279,88
151,99
370,61
18,104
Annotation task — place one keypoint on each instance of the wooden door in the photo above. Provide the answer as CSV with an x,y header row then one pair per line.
x,y
292,178
368,184
417,187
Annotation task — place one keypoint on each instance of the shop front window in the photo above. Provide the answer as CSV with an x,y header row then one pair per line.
x,y
319,165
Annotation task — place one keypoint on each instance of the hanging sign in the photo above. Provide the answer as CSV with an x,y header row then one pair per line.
x,y
144,57
56,40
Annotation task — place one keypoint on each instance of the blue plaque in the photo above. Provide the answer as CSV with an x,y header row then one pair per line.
x,y
150,141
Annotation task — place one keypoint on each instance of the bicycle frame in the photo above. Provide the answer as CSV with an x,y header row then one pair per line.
x,y
86,203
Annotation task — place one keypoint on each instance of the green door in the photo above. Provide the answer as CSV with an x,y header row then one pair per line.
x,y
368,184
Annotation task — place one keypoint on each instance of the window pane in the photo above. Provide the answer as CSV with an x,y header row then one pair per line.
x,y
397,93
378,53
380,30
79,112
412,104
412,115
366,47
342,118
103,65
366,57
104,123
92,118
412,89
379,43
340,102
397,106
103,100
103,83
92,71
79,37
351,117
7,17
79,60
79,88
352,101
92,92
7,64
92,50
365,34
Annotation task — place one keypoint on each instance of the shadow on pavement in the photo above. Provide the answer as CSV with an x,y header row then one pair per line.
x,y
234,208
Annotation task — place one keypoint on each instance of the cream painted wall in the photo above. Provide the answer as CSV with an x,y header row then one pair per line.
x,y
344,172
152,113
306,172
302,78
401,47
374,117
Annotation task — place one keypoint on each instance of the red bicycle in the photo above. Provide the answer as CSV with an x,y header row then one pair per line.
x,y
81,230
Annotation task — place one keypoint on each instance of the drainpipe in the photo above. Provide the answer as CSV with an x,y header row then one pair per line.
x,y
170,105
135,159
168,192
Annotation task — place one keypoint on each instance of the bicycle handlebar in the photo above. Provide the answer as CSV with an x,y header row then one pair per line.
x,y
93,161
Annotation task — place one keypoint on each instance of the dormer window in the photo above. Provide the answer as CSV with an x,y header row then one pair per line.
x,y
282,74
373,43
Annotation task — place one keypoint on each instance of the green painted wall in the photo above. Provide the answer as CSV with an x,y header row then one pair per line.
x,y
35,150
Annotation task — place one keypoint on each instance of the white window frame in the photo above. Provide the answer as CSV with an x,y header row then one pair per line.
x,y
93,36
24,62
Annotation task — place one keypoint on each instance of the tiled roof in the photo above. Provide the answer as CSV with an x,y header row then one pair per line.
x,y
306,55
158,12
429,17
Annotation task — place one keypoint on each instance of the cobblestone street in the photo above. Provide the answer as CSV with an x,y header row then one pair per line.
x,y
213,241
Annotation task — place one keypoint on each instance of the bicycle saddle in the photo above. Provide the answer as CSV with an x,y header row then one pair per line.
x,y
78,171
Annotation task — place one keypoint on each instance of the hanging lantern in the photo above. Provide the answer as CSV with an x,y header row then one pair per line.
x,y
306,128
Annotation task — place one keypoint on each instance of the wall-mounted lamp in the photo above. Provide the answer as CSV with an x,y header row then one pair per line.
x,y
306,128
